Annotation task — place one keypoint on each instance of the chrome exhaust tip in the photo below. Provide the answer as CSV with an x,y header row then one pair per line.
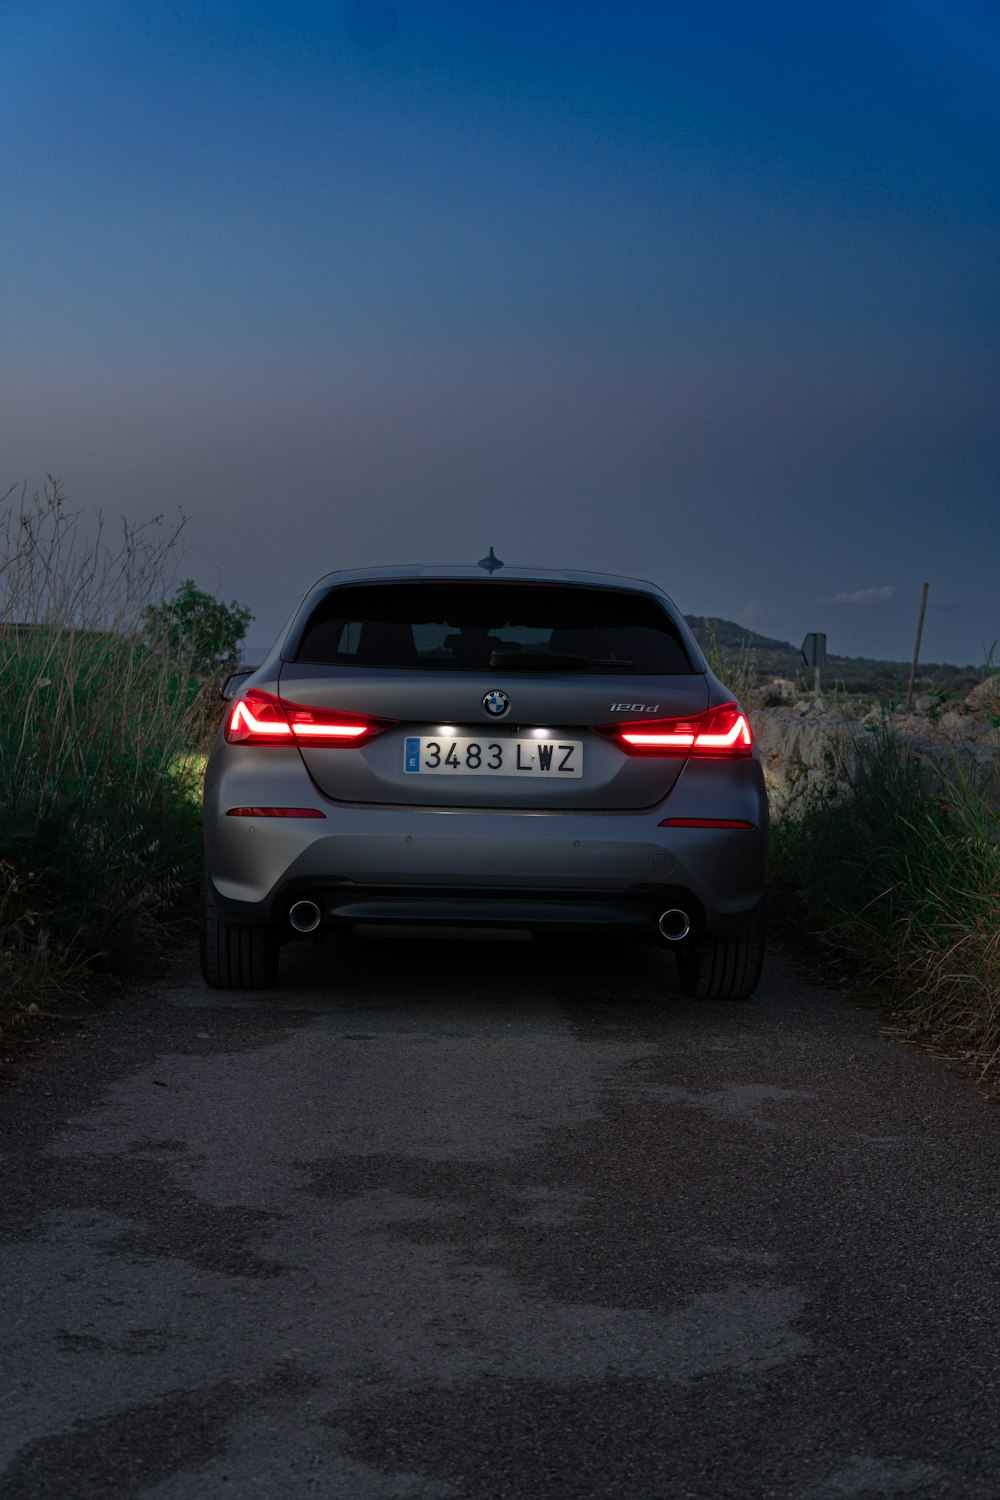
x,y
305,916
674,925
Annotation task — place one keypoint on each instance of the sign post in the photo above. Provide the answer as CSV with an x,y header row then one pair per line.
x,y
814,655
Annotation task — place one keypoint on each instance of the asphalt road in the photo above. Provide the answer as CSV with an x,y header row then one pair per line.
x,y
450,1219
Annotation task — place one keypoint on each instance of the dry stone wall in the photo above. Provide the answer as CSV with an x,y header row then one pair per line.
x,y
806,745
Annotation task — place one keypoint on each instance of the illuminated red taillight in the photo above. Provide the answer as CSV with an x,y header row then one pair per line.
x,y
258,718
722,731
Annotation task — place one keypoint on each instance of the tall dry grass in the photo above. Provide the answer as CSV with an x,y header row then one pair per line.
x,y
737,669
898,874
98,822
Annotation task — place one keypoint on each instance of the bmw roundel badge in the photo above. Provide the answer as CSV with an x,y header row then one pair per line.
x,y
496,703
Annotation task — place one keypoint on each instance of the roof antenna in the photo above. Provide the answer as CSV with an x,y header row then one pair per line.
x,y
490,563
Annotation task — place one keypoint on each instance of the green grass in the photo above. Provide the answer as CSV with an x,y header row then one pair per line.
x,y
99,818
898,876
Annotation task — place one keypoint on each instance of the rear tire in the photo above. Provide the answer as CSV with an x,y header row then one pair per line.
x,y
234,955
714,968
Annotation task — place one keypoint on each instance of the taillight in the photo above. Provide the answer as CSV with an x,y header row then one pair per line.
x,y
722,731
258,718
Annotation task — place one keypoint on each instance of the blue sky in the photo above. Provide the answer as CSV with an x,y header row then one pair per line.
x,y
706,292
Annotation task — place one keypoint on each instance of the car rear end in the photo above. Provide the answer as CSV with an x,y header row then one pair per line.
x,y
539,751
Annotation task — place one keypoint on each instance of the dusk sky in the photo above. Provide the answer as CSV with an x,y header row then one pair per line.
x,y
705,292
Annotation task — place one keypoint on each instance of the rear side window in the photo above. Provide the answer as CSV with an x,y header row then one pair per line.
x,y
474,627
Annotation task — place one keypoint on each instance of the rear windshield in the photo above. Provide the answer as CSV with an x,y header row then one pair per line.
x,y
466,627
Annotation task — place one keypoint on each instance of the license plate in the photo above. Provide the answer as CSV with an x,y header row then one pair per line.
x,y
556,759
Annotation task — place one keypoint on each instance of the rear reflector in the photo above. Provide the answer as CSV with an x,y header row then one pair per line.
x,y
722,731
705,823
258,718
275,812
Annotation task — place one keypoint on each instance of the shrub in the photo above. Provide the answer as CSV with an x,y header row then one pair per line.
x,y
195,628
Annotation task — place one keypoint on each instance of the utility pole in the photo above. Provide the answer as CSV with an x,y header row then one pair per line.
x,y
916,648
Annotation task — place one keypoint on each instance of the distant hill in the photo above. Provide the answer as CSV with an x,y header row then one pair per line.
x,y
772,658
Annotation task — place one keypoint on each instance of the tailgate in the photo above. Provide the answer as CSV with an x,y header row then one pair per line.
x,y
573,768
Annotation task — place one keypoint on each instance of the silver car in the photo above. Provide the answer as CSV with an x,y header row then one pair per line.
x,y
486,747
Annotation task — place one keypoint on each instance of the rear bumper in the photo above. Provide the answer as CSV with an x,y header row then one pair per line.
x,y
487,867
512,872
